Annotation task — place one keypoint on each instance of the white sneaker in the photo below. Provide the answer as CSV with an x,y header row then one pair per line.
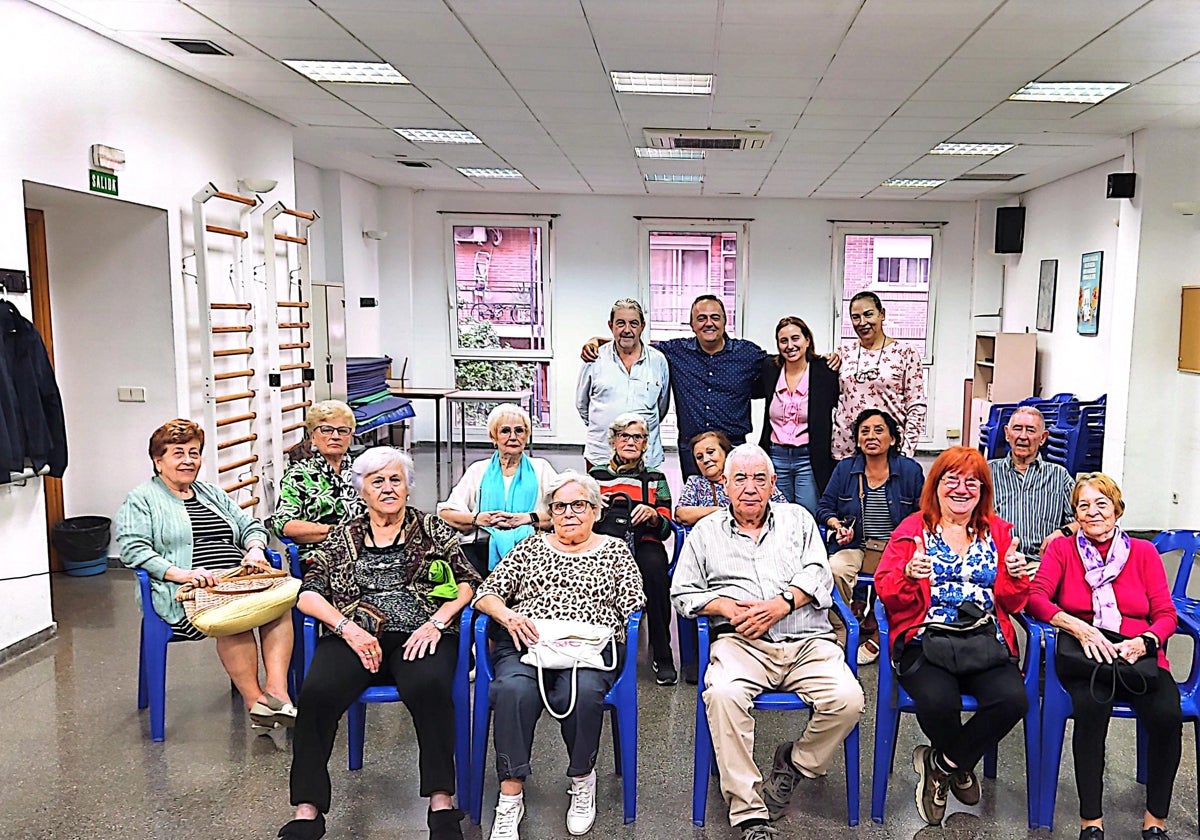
x,y
508,818
582,813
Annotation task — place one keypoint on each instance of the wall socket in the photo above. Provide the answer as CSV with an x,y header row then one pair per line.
x,y
953,434
1174,498
131,393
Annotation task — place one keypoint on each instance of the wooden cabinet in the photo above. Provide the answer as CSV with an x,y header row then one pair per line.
x,y
1005,367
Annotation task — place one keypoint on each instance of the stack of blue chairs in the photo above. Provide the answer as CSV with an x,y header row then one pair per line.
x,y
1077,437
369,397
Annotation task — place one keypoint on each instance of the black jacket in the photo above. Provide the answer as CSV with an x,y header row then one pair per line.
x,y
823,393
31,412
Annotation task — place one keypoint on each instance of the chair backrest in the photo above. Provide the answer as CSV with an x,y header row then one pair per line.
x,y
1186,542
680,536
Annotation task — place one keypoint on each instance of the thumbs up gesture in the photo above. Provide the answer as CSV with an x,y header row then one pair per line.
x,y
1014,560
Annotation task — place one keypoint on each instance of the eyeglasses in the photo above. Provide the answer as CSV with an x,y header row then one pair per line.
x,y
760,480
578,507
386,480
633,437
971,484
505,431
330,431
868,375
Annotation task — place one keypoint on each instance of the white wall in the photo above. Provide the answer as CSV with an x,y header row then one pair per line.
x,y
1063,221
177,133
597,259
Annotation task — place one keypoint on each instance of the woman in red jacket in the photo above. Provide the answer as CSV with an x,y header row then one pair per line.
x,y
954,551
1103,579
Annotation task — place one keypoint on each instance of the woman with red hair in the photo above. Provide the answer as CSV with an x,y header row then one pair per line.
x,y
954,558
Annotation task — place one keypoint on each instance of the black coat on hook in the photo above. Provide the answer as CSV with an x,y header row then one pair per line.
x,y
31,412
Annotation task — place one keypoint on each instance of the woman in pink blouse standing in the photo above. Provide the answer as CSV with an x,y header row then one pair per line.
x,y
879,372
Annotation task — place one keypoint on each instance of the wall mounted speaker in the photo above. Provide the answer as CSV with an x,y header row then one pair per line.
x,y
1121,184
1010,230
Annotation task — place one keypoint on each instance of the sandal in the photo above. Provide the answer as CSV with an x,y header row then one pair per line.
x,y
271,711
313,829
868,652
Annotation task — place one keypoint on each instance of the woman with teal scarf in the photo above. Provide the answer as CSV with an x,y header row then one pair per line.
x,y
495,503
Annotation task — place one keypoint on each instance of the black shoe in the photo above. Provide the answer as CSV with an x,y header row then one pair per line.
x,y
313,829
691,674
665,673
1091,832
1151,833
444,825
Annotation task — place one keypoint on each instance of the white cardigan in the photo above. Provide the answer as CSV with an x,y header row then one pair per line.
x,y
464,498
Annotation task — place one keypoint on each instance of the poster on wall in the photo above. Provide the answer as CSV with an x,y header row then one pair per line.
x,y
1047,284
1088,317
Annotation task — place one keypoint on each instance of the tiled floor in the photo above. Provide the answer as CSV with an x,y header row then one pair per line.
x,y
77,762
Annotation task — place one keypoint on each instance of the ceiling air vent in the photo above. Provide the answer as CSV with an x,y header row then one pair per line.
x,y
706,139
988,176
414,164
198,47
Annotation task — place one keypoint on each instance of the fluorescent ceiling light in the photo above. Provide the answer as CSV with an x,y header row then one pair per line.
x,y
672,178
671,84
437,135
1088,93
970,148
669,154
913,182
488,172
348,72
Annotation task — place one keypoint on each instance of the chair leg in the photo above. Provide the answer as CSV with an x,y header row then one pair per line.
x,y
1033,766
479,743
853,780
989,763
143,698
627,732
702,764
356,733
156,687
614,720
886,724
1054,724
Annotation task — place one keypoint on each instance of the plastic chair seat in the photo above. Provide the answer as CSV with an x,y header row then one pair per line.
x,y
621,701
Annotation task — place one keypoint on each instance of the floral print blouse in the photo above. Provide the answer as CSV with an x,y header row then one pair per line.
x,y
891,378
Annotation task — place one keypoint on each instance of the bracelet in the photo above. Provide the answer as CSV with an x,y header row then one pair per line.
x,y
341,626
475,520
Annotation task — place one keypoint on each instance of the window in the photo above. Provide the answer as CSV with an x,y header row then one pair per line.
x,y
499,283
896,266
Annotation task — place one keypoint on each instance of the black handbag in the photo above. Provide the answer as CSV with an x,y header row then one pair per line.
x,y
970,645
1140,677
617,516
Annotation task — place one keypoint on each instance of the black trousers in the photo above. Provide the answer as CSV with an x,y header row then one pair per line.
x,y
517,705
651,559
477,554
1158,711
337,678
999,693
687,464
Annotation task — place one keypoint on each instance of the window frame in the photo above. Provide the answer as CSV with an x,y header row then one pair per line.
x,y
499,220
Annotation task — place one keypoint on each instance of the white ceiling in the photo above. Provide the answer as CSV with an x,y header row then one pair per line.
x,y
854,91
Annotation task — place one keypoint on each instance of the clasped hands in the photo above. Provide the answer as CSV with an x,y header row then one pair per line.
x,y
502,520
1097,647
752,619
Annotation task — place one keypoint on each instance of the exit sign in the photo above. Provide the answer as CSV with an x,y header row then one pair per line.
x,y
102,182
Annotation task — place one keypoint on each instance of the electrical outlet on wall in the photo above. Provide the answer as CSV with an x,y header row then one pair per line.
x,y
131,393
1174,498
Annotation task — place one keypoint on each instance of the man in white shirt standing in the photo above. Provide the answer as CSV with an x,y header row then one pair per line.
x,y
759,572
627,375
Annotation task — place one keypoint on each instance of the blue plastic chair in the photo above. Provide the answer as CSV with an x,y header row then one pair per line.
x,y
152,655
685,628
621,700
893,700
991,434
296,670
1187,542
1057,708
386,692
705,764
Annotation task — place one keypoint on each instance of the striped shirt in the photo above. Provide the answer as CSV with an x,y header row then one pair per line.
x,y
1036,502
720,561
212,539
877,516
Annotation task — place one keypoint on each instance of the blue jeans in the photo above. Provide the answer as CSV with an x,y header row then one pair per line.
x,y
794,475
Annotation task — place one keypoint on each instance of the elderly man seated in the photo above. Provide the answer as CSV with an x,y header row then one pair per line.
x,y
759,572
1031,493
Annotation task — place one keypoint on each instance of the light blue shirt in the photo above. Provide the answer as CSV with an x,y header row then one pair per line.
x,y
606,390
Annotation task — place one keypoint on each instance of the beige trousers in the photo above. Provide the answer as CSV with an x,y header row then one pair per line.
x,y
844,565
739,670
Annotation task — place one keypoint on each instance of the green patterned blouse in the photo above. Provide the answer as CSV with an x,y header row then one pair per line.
x,y
311,491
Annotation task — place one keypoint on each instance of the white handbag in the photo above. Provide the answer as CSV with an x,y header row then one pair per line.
x,y
563,645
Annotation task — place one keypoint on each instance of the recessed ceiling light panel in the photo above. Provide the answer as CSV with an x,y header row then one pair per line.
x,y
488,172
1086,93
668,84
348,72
674,178
437,135
669,154
970,148
925,183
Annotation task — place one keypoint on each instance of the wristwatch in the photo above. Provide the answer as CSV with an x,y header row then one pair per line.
x,y
790,598
438,625
1065,531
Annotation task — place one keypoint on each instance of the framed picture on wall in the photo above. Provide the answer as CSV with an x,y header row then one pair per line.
x,y
1047,284
1087,318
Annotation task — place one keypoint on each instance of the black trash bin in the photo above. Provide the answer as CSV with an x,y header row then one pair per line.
x,y
82,542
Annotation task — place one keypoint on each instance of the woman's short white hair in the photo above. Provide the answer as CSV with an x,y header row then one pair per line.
x,y
748,452
623,422
585,482
509,411
380,458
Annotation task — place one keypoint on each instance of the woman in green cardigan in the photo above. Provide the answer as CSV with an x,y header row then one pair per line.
x,y
181,530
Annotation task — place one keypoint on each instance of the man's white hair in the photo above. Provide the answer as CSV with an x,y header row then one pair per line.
x,y
748,452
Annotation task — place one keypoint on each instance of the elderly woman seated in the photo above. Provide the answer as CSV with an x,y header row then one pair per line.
x,y
705,493
316,494
649,523
494,504
1110,592
570,573
181,530
388,587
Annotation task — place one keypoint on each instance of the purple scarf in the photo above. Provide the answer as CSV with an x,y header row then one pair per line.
x,y
1100,575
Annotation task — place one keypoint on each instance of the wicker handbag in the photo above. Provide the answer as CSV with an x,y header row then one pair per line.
x,y
242,599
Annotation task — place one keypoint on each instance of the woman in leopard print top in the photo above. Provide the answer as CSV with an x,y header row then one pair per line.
x,y
570,573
